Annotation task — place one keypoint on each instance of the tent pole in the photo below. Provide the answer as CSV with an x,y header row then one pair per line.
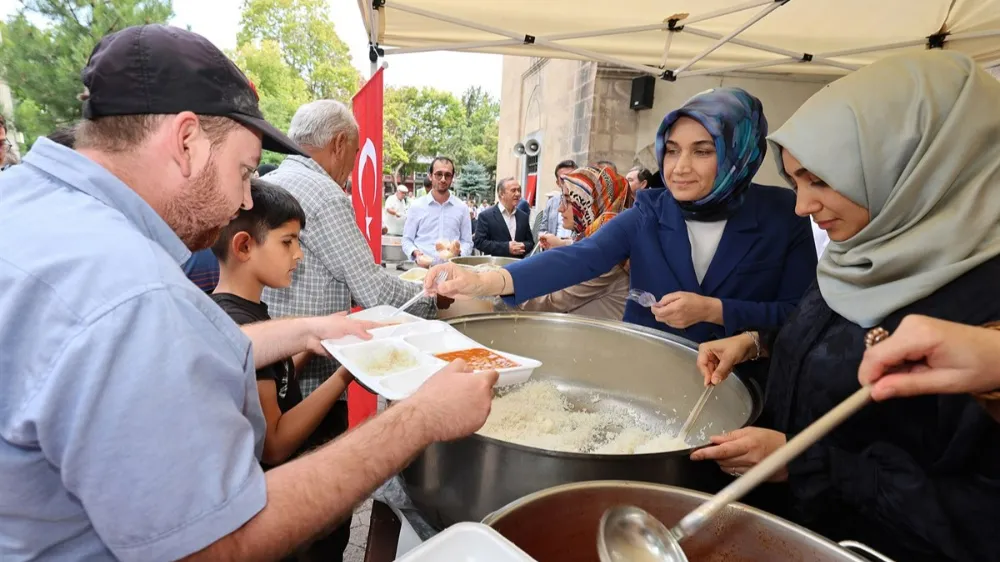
x,y
914,43
973,35
725,11
666,48
520,41
872,49
527,39
770,49
455,47
737,67
772,6
373,38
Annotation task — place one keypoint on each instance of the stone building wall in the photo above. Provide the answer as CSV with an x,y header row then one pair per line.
x,y
552,101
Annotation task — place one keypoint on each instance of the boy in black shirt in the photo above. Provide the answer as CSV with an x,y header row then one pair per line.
x,y
257,249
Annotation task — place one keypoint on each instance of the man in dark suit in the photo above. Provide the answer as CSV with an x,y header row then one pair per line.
x,y
503,229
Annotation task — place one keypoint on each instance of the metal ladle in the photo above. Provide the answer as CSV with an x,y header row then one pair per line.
x,y
633,535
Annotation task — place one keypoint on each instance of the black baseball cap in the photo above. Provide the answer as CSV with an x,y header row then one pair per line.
x,y
157,69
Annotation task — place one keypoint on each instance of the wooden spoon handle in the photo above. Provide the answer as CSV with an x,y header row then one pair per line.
x,y
773,463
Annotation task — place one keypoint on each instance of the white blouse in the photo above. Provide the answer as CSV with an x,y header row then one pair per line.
x,y
704,237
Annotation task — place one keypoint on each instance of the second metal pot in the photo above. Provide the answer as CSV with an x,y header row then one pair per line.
x,y
560,525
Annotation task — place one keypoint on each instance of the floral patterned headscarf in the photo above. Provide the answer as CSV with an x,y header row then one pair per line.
x,y
597,195
736,121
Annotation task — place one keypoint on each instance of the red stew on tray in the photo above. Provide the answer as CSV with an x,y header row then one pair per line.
x,y
480,359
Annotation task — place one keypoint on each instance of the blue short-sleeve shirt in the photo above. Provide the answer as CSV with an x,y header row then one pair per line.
x,y
130,425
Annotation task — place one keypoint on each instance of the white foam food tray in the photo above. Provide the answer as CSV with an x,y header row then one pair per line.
x,y
384,313
398,359
467,542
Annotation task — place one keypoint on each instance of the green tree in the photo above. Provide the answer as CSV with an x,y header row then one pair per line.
x,y
307,42
293,55
280,87
482,115
42,63
422,123
474,181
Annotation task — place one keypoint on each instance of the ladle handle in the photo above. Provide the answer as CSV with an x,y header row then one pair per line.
x,y
693,521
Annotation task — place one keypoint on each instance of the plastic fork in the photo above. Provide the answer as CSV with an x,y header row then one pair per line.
x,y
644,298
441,276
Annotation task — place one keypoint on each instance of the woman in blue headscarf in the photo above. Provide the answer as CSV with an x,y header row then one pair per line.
x,y
719,253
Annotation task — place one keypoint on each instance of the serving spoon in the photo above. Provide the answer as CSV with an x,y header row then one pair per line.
x,y
441,276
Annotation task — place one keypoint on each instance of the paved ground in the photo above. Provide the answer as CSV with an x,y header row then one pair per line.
x,y
359,533
355,552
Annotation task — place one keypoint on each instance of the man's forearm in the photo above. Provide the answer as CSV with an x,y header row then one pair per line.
x,y
311,494
275,340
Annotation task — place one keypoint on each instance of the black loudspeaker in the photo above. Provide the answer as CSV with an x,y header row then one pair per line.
x,y
642,92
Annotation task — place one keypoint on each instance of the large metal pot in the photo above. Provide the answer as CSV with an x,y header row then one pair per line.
x,y
466,479
560,525
474,261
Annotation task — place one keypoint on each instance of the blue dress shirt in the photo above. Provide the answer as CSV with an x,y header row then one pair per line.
x,y
429,221
130,425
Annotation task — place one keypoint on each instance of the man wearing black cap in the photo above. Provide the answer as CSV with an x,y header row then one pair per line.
x,y
130,426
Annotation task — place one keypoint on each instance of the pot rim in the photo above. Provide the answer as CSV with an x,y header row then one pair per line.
x,y
513,506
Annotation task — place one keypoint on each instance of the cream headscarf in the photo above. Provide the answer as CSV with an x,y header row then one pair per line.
x,y
915,139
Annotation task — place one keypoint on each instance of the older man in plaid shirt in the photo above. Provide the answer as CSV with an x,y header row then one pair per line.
x,y
338,269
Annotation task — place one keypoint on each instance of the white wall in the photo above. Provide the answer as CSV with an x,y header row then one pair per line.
x,y
780,97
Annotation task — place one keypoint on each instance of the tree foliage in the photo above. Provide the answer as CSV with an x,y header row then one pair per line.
x,y
474,181
293,55
42,63
423,123
307,42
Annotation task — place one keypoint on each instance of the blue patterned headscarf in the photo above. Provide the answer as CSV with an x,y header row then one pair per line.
x,y
736,121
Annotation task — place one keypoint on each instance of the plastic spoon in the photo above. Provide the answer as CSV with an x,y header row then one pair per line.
x,y
441,276
644,298
695,412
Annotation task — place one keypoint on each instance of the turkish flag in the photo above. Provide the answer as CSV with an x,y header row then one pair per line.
x,y
366,195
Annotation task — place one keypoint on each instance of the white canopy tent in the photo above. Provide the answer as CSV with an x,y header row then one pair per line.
x,y
678,38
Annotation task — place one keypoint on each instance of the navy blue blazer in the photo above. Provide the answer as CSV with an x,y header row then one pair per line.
x,y
493,237
765,261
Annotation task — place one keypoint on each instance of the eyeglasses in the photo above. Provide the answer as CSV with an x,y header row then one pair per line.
x,y
443,175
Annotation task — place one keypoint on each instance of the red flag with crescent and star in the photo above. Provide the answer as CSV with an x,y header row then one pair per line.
x,y
366,195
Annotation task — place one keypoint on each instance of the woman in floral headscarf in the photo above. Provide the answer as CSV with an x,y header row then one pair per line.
x,y
719,253
590,198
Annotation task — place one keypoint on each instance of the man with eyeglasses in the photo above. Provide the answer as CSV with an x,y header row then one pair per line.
x,y
438,225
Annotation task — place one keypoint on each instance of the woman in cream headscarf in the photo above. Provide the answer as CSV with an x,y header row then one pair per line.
x,y
590,198
900,164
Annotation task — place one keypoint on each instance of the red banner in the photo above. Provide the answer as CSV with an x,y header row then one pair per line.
x,y
531,188
366,194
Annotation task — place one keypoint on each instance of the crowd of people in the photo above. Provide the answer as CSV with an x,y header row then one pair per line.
x,y
143,420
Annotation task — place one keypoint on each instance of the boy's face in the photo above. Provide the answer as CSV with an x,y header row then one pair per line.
x,y
275,259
